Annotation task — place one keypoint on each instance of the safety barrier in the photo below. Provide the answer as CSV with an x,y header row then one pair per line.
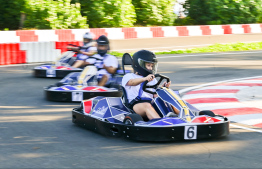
x,y
26,46
10,53
40,51
63,35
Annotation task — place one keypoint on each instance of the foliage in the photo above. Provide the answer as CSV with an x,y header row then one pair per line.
x,y
10,13
59,14
108,13
183,21
217,12
154,12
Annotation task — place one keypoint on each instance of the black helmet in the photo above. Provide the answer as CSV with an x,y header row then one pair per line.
x,y
102,40
140,58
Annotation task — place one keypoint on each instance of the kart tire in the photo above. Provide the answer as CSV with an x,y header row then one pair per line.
x,y
207,112
131,119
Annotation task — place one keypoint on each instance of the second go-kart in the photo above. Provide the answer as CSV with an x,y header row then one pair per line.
x,y
111,116
79,86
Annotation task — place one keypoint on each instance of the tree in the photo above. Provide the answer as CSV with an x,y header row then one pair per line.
x,y
205,12
108,13
154,12
59,14
10,13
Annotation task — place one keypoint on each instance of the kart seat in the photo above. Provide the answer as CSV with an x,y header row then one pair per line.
x,y
125,100
126,103
126,60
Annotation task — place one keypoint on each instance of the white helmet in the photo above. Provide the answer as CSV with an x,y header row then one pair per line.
x,y
88,35
87,38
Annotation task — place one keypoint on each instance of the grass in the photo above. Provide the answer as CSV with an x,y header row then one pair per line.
x,y
213,48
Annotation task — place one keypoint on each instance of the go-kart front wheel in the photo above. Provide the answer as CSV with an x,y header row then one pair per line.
x,y
207,112
131,119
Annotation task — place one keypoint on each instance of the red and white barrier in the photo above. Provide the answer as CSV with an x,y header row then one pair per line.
x,y
40,51
46,45
10,53
125,33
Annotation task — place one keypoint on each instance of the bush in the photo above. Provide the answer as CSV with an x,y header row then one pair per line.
x,y
214,12
108,13
154,12
49,14
183,21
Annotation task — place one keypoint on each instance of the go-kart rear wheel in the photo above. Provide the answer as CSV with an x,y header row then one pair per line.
x,y
207,112
131,119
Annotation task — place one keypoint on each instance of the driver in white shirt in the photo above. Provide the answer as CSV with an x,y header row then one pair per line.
x,y
106,64
89,49
145,66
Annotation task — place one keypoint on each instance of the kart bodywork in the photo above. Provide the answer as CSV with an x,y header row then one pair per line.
x,y
111,116
79,86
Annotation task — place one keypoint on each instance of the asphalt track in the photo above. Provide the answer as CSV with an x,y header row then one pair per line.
x,y
35,133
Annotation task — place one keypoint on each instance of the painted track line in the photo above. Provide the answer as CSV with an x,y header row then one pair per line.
x,y
246,128
215,83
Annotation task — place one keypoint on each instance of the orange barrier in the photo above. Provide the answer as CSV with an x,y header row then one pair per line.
x,y
10,53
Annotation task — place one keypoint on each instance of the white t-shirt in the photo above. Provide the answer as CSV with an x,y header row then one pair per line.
x,y
133,91
107,60
84,57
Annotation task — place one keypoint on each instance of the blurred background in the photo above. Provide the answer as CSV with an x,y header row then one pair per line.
x,y
73,14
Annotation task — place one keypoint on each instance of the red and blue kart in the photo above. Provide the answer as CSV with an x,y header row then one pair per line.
x,y
112,116
79,86
61,68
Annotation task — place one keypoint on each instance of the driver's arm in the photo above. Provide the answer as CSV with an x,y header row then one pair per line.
x,y
110,69
90,53
135,82
73,48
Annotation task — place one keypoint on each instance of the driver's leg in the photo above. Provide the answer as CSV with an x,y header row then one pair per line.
x,y
146,109
78,63
103,80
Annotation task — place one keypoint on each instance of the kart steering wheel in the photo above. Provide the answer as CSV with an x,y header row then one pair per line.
x,y
162,77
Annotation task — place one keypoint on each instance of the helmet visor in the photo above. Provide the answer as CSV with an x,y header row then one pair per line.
x,y
150,66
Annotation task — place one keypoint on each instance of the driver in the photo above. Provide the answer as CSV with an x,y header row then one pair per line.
x,y
145,66
88,49
105,63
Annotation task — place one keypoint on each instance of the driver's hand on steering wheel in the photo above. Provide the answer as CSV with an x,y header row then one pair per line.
x,y
149,77
165,84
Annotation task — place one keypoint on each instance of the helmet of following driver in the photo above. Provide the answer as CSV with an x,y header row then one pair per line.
x,y
102,41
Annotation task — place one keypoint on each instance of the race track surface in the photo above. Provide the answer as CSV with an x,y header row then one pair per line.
x,y
35,133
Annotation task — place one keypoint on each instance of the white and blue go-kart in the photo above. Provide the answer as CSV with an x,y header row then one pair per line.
x,y
111,116
79,86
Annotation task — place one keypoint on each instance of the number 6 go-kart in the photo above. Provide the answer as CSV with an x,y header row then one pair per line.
x,y
61,68
111,116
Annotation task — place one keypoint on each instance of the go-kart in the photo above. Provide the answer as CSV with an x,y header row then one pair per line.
x,y
111,116
61,68
79,86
